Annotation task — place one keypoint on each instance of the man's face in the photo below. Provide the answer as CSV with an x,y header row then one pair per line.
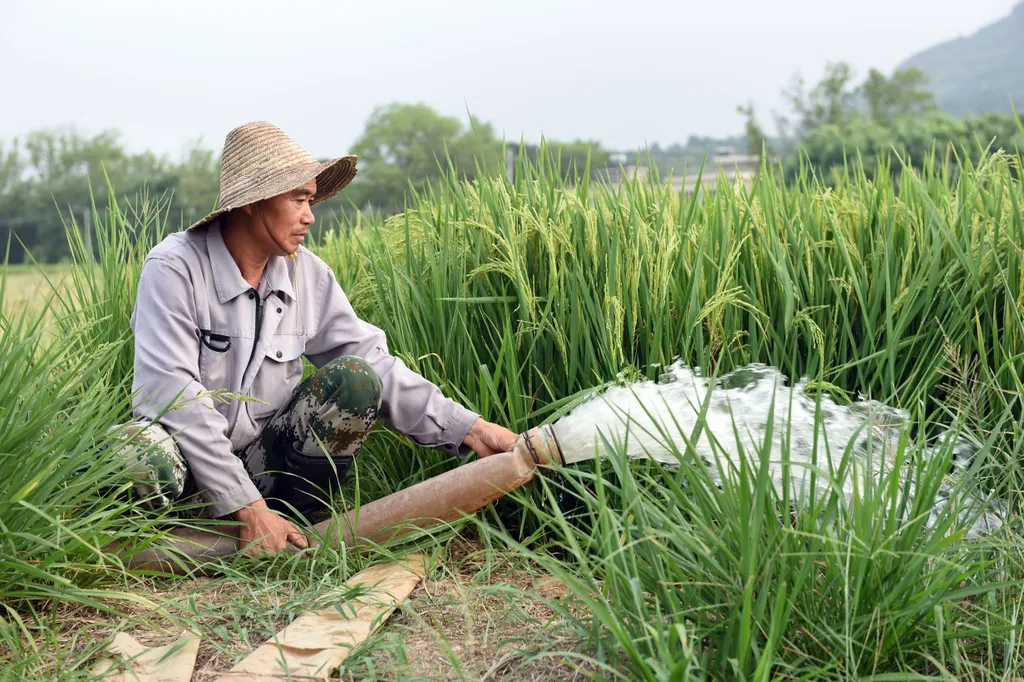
x,y
288,217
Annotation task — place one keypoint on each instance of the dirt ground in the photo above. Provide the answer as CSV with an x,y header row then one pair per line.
x,y
466,625
461,623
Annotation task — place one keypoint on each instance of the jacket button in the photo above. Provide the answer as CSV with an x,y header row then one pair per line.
x,y
279,353
251,295
279,311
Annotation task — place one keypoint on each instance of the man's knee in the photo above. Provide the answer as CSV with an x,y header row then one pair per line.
x,y
349,383
347,398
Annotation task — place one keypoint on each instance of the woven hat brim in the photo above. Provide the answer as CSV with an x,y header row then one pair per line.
x,y
331,177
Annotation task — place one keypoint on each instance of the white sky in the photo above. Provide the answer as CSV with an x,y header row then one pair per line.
x,y
622,72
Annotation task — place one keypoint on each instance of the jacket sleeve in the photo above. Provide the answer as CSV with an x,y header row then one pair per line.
x,y
413,405
167,371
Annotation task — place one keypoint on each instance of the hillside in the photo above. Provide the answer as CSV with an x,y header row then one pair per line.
x,y
981,72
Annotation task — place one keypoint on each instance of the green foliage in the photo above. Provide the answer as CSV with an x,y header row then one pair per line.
x,y
521,298
904,94
405,146
60,501
560,290
835,103
884,113
48,178
913,140
572,159
757,142
688,578
905,289
830,102
95,303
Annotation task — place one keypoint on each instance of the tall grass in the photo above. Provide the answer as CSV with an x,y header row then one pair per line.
x,y
100,294
65,379
686,577
60,503
521,298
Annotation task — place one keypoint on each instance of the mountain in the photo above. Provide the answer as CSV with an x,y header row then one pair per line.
x,y
979,73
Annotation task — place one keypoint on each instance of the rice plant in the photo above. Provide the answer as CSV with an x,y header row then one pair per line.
x,y
685,577
60,503
517,298
520,299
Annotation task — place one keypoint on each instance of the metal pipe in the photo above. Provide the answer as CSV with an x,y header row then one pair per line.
x,y
440,499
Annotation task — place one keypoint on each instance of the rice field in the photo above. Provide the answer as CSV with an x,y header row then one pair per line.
x,y
521,300
28,286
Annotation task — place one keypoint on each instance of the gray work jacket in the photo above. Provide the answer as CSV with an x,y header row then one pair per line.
x,y
195,327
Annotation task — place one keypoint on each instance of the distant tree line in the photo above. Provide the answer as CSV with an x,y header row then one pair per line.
x,y
835,121
404,146
52,177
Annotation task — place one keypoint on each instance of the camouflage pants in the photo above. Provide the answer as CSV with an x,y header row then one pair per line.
x,y
299,457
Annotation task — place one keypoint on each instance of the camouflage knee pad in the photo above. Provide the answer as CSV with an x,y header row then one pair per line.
x,y
300,455
307,446
152,461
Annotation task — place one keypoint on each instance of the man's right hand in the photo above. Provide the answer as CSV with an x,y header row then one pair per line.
x,y
266,531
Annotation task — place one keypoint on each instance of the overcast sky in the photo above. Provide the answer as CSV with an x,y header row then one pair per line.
x,y
622,72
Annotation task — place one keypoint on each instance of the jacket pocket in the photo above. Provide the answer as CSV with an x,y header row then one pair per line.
x,y
214,360
278,376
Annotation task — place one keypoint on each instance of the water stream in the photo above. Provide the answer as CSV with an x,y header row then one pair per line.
x,y
741,405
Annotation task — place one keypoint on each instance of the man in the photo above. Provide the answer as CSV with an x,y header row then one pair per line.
x,y
226,310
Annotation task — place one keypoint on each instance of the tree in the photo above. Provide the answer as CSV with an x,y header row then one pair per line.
x,y
198,181
408,145
53,176
829,102
904,94
757,143
912,138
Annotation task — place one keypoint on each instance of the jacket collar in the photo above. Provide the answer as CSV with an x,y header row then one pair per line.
x,y
227,279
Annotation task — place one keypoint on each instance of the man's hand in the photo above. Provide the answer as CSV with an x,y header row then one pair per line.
x,y
272,532
485,438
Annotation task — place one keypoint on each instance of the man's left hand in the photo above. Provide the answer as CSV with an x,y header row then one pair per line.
x,y
485,438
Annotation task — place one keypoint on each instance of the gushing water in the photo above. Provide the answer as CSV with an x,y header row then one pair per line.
x,y
645,416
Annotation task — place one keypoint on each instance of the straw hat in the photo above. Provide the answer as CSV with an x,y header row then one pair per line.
x,y
259,161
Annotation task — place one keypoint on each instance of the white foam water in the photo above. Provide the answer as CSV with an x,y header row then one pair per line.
x,y
741,404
